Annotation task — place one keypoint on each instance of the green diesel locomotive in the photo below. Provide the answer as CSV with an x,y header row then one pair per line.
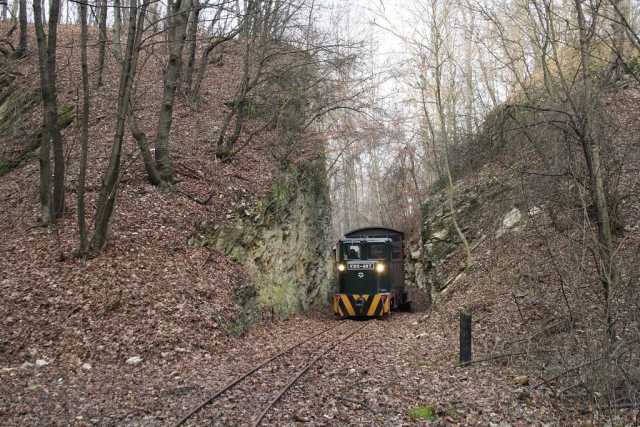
x,y
370,273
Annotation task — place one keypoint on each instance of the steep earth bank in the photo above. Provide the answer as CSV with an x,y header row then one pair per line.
x,y
533,287
156,289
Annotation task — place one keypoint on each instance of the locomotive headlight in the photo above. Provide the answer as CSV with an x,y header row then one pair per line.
x,y
380,268
341,267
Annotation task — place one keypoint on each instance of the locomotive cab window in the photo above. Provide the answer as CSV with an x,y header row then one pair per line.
x,y
351,252
377,251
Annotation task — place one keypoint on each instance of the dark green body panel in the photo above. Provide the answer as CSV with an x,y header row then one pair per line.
x,y
357,280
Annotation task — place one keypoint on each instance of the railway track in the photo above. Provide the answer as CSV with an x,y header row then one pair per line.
x,y
262,386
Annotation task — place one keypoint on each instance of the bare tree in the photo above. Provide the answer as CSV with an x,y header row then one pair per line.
x,y
215,41
260,33
84,131
439,61
153,19
192,44
618,15
102,40
22,18
50,208
591,149
177,23
469,28
108,190
116,30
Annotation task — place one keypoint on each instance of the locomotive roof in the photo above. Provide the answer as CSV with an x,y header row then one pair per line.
x,y
349,234
366,239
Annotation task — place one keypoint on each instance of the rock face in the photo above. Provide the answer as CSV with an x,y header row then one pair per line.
x,y
415,278
282,242
439,237
21,141
510,222
479,209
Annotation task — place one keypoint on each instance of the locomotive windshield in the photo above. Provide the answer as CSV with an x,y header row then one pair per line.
x,y
363,251
351,251
376,251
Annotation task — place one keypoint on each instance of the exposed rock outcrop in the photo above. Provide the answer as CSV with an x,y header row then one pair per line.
x,y
483,210
282,242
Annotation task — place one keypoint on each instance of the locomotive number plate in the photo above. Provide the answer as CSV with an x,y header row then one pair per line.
x,y
360,266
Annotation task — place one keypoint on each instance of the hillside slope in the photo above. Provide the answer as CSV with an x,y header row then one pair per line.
x,y
154,288
533,288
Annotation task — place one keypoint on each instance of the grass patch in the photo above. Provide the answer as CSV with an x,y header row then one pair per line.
x,y
423,413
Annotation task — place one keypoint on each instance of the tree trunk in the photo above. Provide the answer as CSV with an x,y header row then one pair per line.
x,y
116,37
124,18
58,149
153,176
246,18
225,145
489,83
154,17
177,30
204,61
22,42
84,130
45,146
14,9
47,63
591,149
167,27
192,36
102,40
620,12
469,24
111,178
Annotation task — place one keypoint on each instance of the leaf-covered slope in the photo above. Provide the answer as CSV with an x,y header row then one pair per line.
x,y
151,290
534,287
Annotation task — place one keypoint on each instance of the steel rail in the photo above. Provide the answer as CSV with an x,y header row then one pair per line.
x,y
302,371
248,373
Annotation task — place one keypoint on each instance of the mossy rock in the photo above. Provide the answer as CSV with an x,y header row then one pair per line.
x,y
247,317
14,106
282,298
65,118
423,413
282,244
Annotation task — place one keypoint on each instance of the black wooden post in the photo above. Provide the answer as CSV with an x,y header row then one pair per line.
x,y
465,337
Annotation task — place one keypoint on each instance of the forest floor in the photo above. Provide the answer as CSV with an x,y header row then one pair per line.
x,y
377,377
137,336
